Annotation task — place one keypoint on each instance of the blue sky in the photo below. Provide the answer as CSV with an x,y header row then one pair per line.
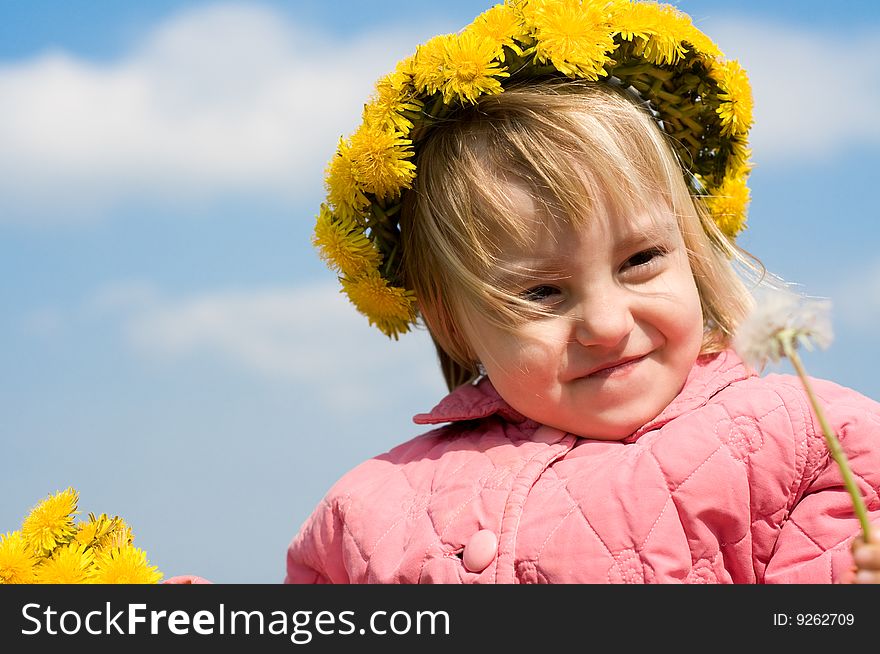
x,y
171,345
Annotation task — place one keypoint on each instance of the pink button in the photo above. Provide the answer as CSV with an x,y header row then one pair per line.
x,y
480,550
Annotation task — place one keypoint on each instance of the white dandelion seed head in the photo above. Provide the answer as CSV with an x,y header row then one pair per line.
x,y
780,315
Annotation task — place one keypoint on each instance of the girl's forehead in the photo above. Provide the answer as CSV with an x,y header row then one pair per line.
x,y
546,234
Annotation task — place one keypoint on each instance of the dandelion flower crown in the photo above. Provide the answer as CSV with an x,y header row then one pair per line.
x,y
701,100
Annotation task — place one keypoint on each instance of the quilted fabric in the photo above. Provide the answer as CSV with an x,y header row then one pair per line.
x,y
731,483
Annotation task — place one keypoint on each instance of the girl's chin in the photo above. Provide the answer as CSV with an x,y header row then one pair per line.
x,y
611,427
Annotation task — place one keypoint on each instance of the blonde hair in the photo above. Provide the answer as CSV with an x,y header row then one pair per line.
x,y
577,146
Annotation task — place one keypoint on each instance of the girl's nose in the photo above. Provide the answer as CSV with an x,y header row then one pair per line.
x,y
604,319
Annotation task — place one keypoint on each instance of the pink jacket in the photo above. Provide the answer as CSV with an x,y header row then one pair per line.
x,y
731,483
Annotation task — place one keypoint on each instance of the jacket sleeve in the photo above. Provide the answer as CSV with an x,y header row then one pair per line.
x,y
315,555
813,544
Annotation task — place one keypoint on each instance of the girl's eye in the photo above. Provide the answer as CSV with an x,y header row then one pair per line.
x,y
539,293
645,257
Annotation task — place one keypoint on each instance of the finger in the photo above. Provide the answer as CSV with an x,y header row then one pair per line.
x,y
859,539
867,557
186,579
867,577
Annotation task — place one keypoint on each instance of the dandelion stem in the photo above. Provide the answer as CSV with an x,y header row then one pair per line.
x,y
834,447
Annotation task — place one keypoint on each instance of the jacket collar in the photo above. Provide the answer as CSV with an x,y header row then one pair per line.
x,y
710,374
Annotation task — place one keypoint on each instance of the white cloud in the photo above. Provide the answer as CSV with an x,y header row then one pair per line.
x,y
236,98
815,94
309,335
224,98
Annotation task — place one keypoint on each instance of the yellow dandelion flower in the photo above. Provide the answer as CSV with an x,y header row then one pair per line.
x,y
51,522
118,535
736,105
670,27
740,159
471,68
389,308
380,161
728,205
392,97
429,64
701,43
658,30
123,565
573,36
342,187
525,11
343,245
102,532
632,20
17,559
69,564
502,26
89,532
404,71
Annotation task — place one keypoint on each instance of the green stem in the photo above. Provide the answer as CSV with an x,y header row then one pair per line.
x,y
834,447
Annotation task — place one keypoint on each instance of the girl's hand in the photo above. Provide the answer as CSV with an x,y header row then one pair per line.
x,y
866,557
186,579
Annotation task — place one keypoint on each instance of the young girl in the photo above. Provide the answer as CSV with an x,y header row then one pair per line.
x,y
555,193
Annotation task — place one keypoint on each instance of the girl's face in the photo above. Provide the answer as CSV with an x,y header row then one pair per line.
x,y
624,329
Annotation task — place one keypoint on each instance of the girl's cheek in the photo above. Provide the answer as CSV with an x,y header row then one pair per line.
x,y
542,352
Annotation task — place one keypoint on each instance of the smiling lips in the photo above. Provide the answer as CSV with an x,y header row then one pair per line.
x,y
614,367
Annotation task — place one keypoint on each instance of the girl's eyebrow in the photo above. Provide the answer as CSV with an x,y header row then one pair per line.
x,y
650,234
528,269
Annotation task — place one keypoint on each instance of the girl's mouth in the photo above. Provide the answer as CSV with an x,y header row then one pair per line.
x,y
615,368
